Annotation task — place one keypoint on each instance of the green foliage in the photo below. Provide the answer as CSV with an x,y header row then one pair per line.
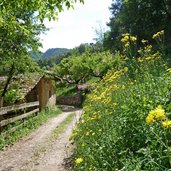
x,y
12,96
114,132
65,90
54,56
21,23
45,9
141,18
30,124
18,34
79,69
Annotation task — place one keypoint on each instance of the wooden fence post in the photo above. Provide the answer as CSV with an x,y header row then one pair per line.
x,y
8,120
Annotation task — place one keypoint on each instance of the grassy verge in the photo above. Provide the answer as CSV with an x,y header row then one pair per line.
x,y
60,129
29,125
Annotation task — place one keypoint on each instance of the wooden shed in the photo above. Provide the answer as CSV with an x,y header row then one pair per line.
x,y
34,87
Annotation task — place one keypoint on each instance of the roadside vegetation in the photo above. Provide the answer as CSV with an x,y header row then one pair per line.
x,y
126,122
23,128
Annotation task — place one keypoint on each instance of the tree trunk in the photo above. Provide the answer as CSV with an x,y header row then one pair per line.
x,y
1,102
11,73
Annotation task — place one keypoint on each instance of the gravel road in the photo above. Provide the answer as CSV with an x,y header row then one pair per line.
x,y
38,151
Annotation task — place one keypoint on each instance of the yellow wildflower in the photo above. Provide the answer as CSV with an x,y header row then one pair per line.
x,y
125,39
158,34
133,38
148,58
152,113
166,124
78,161
139,51
160,114
144,41
127,44
140,60
169,70
154,36
156,55
156,114
150,119
126,34
159,107
162,32
148,48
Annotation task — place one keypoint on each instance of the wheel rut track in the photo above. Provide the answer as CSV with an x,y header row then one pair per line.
x,y
37,152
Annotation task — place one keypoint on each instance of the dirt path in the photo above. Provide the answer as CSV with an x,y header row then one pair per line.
x,y
38,151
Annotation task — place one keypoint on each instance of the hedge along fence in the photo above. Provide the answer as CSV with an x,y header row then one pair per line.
x,y
11,114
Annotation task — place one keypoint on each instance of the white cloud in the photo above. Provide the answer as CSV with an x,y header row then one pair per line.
x,y
77,26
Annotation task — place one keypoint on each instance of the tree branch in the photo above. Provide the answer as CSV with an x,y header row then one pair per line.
x,y
11,73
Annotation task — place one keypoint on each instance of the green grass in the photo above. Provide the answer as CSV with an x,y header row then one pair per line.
x,y
66,90
31,123
60,129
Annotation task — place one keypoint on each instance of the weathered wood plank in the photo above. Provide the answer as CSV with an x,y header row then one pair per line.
x,y
4,110
6,133
11,120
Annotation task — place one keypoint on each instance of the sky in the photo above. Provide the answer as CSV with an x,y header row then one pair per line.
x,y
77,26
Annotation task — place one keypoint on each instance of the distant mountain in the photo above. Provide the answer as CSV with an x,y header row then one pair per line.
x,y
36,55
54,52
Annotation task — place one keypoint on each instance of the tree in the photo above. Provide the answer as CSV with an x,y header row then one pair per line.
x,y
80,69
21,22
137,17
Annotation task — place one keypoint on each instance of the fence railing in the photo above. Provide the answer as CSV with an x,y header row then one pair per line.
x,y
21,112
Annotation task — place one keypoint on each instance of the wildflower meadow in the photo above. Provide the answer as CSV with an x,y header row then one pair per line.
x,y
126,124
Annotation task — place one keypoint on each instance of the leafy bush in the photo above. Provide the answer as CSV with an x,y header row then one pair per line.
x,y
12,96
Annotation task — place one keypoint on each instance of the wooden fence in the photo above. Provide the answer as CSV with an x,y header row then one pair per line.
x,y
19,112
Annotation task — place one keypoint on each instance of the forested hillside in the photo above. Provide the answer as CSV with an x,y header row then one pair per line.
x,y
54,56
54,52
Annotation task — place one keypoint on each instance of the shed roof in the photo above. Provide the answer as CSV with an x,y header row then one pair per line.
x,y
24,82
